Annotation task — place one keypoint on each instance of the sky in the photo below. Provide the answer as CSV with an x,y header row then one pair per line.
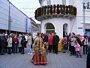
x,y
27,6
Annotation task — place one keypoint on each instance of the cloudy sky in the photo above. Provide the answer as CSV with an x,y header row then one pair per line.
x,y
27,6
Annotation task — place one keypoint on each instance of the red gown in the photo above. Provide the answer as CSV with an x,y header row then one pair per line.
x,y
39,55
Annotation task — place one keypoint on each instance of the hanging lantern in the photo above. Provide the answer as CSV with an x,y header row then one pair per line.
x,y
47,9
71,7
51,9
63,9
54,8
58,12
44,10
41,11
66,9
60,9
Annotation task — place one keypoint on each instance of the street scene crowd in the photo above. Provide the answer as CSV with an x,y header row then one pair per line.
x,y
43,44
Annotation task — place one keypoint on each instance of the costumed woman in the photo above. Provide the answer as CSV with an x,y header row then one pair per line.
x,y
39,52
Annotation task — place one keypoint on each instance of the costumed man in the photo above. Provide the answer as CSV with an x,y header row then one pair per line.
x,y
45,40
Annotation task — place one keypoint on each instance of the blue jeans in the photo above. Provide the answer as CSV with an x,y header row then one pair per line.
x,y
78,54
29,49
15,48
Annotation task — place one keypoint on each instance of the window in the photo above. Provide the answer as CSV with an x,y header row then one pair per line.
x,y
49,28
65,29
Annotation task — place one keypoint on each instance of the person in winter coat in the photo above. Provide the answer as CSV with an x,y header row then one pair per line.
x,y
15,44
9,40
73,40
23,43
29,43
65,44
50,42
19,38
85,45
5,43
88,59
45,40
55,43
77,49
1,45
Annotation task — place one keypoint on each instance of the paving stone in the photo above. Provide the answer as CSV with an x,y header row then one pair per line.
x,y
61,60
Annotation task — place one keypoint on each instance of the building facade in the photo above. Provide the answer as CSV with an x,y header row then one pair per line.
x,y
63,17
14,20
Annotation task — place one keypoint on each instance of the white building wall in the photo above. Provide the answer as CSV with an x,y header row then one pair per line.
x,y
80,25
76,24
79,5
4,9
87,16
71,2
67,2
58,24
56,2
44,2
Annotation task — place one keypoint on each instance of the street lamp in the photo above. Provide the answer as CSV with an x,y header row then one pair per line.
x,y
85,6
9,20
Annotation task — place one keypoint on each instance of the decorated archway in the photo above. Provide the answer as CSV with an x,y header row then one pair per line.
x,y
49,28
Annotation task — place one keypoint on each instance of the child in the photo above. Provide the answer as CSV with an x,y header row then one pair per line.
x,y
77,49
65,45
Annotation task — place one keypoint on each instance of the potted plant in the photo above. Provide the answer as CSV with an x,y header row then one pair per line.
x,y
60,9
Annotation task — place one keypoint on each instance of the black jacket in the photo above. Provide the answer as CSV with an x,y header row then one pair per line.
x,y
79,41
23,41
55,40
1,41
88,59
45,39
